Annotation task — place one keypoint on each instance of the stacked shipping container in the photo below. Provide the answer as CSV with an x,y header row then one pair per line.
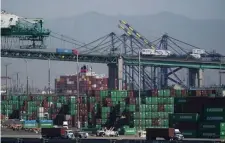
x,y
87,81
121,109
201,117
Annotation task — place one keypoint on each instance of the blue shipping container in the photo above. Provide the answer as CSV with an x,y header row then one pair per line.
x,y
64,51
30,124
29,121
46,121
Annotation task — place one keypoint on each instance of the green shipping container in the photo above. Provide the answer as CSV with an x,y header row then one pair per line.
x,y
178,93
222,126
218,118
186,117
214,111
46,123
189,133
208,134
128,131
180,100
210,126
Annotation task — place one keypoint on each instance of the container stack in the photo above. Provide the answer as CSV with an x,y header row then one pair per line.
x,y
41,113
10,104
212,123
87,81
187,123
153,111
210,112
196,116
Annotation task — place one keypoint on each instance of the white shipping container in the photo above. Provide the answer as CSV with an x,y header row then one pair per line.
x,y
69,91
40,114
68,117
49,104
69,82
198,51
40,109
94,85
72,97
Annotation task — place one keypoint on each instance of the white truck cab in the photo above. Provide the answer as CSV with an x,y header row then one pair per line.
x,y
69,134
178,135
65,124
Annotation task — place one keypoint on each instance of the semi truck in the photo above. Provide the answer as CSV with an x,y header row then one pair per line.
x,y
166,133
57,133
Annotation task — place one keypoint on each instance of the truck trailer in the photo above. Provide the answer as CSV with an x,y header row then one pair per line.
x,y
166,133
57,133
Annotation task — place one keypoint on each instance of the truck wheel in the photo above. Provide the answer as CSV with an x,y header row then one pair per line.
x,y
103,134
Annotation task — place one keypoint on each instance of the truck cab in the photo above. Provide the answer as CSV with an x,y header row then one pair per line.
x,y
68,134
178,135
65,124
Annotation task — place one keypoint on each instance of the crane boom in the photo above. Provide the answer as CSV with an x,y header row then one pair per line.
x,y
137,34
125,29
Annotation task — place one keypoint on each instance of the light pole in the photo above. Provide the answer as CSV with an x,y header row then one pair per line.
x,y
75,52
27,77
17,82
78,93
6,72
49,76
139,87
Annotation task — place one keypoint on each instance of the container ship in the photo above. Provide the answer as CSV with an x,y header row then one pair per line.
x,y
88,80
197,113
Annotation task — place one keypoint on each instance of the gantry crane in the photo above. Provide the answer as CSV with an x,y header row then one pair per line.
x,y
23,29
163,73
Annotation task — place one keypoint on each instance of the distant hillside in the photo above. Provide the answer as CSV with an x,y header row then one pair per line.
x,y
208,34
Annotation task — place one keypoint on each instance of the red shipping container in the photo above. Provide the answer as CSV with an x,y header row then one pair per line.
x,y
184,93
98,121
130,93
161,108
204,93
154,92
54,116
172,92
108,99
109,104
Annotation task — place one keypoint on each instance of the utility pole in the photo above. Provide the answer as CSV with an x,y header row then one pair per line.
x,y
78,93
6,72
49,76
27,77
17,82
139,87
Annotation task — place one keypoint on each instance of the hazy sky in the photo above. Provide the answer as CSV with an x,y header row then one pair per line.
x,y
199,9
54,9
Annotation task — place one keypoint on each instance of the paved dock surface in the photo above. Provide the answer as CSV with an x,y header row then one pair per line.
x,y
9,136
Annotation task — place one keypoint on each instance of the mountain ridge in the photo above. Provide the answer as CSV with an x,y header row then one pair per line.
x,y
90,26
